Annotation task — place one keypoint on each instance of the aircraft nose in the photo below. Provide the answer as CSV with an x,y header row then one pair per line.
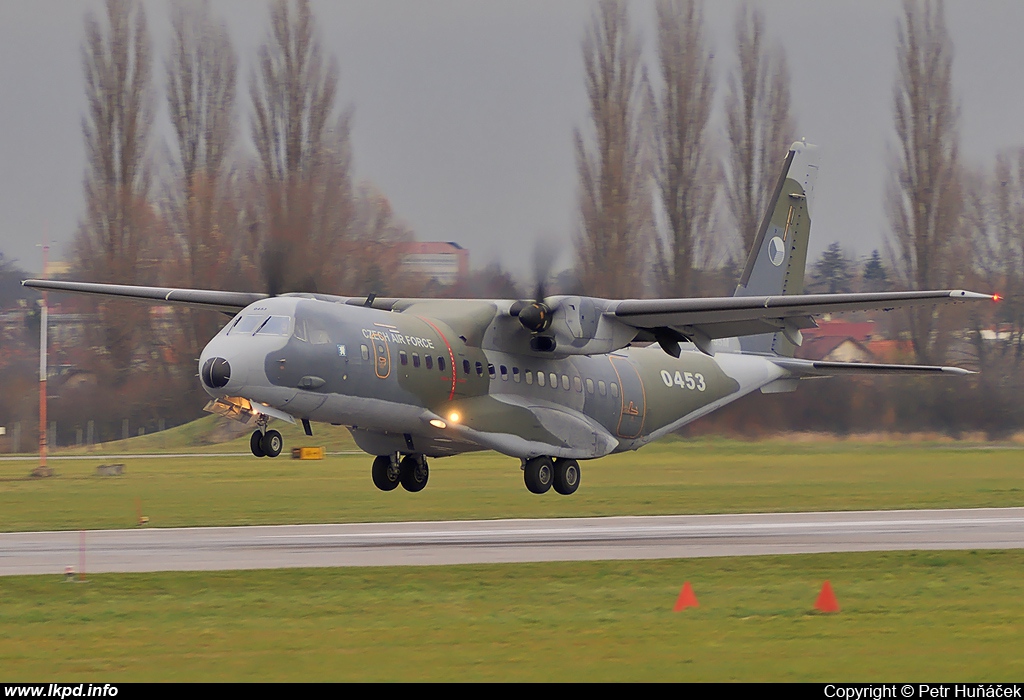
x,y
216,372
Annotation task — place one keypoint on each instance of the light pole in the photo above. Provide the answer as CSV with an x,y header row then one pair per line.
x,y
42,470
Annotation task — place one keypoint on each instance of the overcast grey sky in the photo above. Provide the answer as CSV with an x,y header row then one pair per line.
x,y
464,109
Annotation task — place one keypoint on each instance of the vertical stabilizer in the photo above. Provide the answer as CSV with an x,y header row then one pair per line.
x,y
778,257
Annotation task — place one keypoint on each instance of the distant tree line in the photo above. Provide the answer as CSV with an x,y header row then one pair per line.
x,y
654,164
257,191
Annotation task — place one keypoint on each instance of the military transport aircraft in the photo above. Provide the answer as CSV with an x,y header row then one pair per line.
x,y
551,381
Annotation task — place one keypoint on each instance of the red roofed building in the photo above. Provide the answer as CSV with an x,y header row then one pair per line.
x,y
861,331
446,262
838,341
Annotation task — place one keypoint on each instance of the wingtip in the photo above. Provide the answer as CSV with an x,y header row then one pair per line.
x,y
959,371
964,294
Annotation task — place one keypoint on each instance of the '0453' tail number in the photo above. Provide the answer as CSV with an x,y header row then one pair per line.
x,y
684,380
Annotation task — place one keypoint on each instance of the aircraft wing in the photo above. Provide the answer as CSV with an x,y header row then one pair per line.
x,y
702,320
231,302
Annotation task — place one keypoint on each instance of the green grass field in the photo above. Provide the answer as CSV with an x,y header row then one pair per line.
x,y
668,477
907,615
935,616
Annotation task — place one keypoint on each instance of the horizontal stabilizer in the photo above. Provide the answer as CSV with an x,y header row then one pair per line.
x,y
820,368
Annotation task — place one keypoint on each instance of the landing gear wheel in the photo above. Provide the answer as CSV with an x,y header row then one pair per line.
x,y
272,443
386,474
538,474
567,476
414,473
255,444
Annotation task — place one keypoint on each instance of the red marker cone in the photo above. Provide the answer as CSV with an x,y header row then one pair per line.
x,y
827,602
686,598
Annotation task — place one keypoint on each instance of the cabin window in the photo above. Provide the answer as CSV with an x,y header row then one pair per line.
x,y
602,388
529,376
577,384
403,357
541,381
440,363
615,390
490,370
465,367
554,380
415,359
365,352
479,369
590,385
565,382
504,373
429,361
515,375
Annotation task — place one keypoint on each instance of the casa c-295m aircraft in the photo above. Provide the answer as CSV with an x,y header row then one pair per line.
x,y
550,382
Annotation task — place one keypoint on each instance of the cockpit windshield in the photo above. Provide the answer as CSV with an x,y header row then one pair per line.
x,y
260,324
246,324
275,325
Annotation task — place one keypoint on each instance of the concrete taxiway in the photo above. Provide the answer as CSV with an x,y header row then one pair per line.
x,y
464,542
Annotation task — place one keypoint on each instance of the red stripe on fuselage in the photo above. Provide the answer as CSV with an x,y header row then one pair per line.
x,y
451,354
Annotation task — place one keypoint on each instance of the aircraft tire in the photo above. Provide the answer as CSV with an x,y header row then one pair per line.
x,y
567,476
414,473
385,477
255,444
538,474
272,443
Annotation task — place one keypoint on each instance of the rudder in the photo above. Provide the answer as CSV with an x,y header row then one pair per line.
x,y
778,256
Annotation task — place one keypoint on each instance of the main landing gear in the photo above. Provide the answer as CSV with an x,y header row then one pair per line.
x,y
411,472
541,473
266,444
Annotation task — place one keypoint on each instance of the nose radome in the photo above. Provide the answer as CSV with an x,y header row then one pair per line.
x,y
216,372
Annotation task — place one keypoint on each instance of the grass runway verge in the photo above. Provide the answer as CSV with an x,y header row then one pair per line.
x,y
934,616
671,477
931,616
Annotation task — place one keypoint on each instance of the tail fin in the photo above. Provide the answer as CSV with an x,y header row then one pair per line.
x,y
778,257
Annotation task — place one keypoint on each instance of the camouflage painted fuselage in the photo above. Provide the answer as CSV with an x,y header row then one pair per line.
x,y
387,375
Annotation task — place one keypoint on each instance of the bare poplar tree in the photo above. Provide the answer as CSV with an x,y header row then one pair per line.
x,y
201,75
113,242
993,210
304,157
924,198
759,123
615,207
686,172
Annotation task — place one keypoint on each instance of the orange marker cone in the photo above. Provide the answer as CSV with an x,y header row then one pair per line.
x,y
686,598
827,602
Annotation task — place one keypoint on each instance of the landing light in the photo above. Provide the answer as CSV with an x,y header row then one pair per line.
x,y
454,417
438,423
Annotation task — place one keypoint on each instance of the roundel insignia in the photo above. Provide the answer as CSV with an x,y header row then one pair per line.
x,y
776,251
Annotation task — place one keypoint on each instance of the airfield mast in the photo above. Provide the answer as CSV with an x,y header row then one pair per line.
x,y
42,469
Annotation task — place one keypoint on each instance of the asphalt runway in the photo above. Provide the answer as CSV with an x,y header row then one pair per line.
x,y
465,542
